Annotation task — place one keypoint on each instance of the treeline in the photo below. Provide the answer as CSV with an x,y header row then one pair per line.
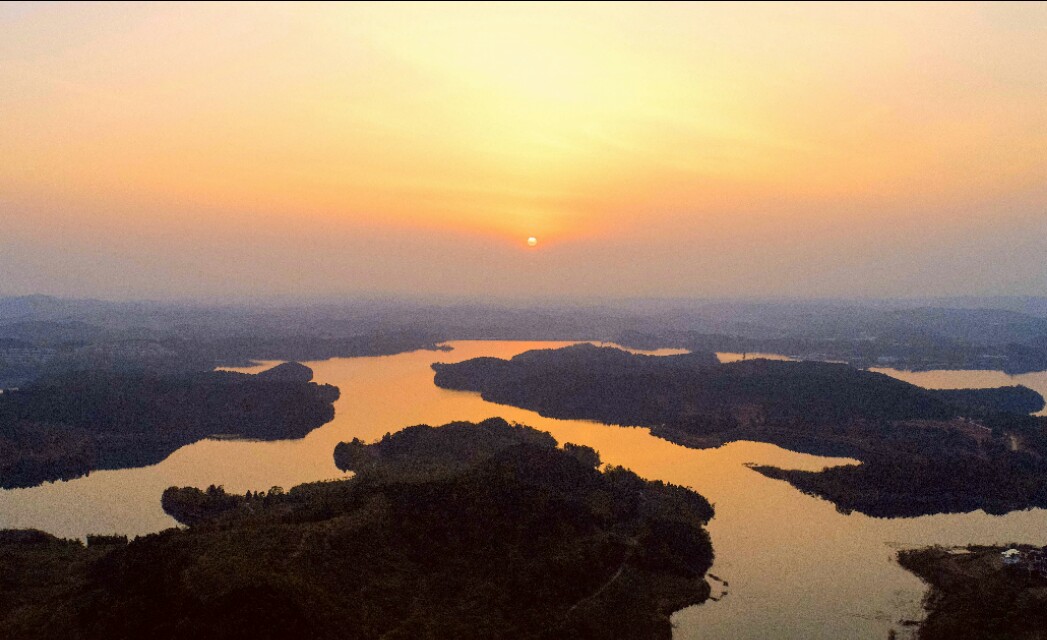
x,y
69,424
523,541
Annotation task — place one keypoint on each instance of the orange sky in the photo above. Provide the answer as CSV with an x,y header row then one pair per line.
x,y
654,149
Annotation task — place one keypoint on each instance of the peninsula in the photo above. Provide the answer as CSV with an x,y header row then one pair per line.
x,y
468,530
924,451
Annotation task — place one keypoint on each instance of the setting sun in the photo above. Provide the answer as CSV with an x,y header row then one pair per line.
x,y
532,241
756,144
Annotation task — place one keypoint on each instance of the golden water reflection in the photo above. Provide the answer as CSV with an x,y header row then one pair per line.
x,y
796,567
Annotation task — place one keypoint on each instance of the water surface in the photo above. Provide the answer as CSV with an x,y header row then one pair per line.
x,y
796,567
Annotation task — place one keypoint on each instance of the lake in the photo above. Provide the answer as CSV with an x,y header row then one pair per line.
x,y
795,567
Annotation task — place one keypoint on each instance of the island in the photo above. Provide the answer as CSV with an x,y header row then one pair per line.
x,y
923,451
485,530
982,593
70,424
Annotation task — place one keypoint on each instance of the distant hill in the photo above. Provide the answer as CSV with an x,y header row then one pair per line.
x,y
1007,334
287,372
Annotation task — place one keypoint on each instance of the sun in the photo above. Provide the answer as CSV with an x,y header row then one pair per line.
x,y
532,242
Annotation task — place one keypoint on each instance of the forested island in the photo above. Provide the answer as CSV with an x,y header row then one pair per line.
x,y
975,595
923,451
465,531
67,425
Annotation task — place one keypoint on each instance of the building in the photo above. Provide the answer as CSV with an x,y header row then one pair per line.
x,y
1036,561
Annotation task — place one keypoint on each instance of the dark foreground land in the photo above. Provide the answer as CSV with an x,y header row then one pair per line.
x,y
67,425
923,451
975,596
466,531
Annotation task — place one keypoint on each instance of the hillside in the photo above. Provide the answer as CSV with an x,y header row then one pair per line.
x,y
70,424
522,541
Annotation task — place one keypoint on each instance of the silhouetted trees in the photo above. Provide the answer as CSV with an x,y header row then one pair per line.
x,y
524,540
68,425
975,597
924,451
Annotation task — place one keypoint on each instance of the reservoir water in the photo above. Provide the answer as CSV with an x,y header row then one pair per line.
x,y
795,567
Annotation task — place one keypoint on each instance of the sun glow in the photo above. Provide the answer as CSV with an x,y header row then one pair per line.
x,y
614,127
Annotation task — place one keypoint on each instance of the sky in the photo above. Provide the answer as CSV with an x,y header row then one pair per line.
x,y
325,150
